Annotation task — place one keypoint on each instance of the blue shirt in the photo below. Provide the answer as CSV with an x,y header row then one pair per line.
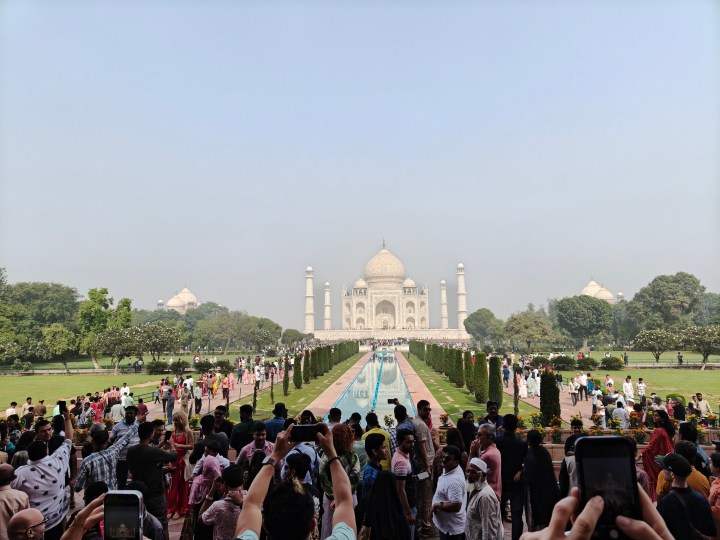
x,y
273,427
369,475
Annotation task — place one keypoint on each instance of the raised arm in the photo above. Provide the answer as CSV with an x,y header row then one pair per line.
x,y
344,510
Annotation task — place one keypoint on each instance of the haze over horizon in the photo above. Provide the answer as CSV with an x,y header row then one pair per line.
x,y
145,147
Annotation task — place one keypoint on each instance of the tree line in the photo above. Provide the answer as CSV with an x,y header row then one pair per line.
x,y
672,311
49,321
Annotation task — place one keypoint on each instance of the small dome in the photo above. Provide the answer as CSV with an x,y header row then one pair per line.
x,y
409,283
460,266
590,289
327,284
604,294
161,301
188,297
360,284
620,295
442,283
385,267
175,302
308,269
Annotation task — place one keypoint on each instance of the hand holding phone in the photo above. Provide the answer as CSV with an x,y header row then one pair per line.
x,y
123,515
168,434
304,433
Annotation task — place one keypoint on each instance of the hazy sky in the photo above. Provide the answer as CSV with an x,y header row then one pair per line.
x,y
224,146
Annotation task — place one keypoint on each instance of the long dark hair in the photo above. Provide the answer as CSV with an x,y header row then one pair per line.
x,y
384,513
666,422
454,437
467,430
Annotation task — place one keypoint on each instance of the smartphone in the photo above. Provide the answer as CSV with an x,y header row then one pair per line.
x,y
391,401
123,515
606,467
423,475
168,434
304,432
63,406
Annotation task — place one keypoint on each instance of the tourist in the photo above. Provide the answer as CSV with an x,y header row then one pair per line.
x,y
373,426
609,381
259,442
402,469
567,478
117,412
222,425
532,386
384,515
276,424
289,514
576,426
641,389
453,437
222,515
43,480
695,479
297,468
40,408
12,500
200,490
334,417
660,444
573,387
541,489
170,407
449,501
684,510
145,464
183,441
714,498
424,455
513,450
583,381
657,404
522,384
118,431
621,415
492,416
197,396
28,524
166,393
483,518
342,443
688,432
358,447
101,464
484,447
506,375
241,434
207,434
376,452
703,407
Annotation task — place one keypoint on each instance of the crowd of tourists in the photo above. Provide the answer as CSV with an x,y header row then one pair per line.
x,y
354,477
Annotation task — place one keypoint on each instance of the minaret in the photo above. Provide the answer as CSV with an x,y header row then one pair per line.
x,y
309,301
462,297
326,311
443,306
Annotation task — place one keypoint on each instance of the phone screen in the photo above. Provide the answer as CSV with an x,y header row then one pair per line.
x,y
606,467
62,406
123,515
168,434
304,433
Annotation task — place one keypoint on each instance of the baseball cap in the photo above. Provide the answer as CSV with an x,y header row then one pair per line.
x,y
675,464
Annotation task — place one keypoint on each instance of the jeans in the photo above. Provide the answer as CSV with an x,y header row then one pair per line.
x,y
423,500
411,526
516,509
198,405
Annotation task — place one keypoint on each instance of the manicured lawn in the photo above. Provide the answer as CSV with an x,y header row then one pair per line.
x,y
456,400
297,400
645,357
54,387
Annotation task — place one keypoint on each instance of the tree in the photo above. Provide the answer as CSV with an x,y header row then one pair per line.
x,y
479,324
708,310
529,327
668,301
495,387
15,332
584,317
118,344
468,371
290,336
60,342
307,366
158,337
702,339
144,316
46,303
297,372
549,397
286,377
656,341
95,316
480,378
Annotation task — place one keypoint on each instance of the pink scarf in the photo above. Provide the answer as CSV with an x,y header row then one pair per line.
x,y
202,483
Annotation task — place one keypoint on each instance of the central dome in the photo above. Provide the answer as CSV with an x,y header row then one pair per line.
x,y
384,266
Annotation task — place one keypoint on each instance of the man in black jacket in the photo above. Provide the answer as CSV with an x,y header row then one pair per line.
x,y
512,451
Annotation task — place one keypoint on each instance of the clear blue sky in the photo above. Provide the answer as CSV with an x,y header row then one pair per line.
x,y
220,145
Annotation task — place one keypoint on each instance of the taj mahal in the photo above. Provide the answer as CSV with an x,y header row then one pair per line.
x,y
385,304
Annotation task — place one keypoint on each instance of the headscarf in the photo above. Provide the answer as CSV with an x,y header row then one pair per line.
x,y
201,485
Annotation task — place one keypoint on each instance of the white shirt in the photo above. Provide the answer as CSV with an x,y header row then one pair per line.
x,y
582,379
10,411
641,388
117,412
188,382
609,382
450,489
628,389
44,482
125,391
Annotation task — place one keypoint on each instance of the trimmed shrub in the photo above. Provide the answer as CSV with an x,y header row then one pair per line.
x,y
203,365
539,362
468,371
564,363
297,372
487,349
480,378
286,378
495,385
156,367
307,367
458,368
612,364
587,364
549,398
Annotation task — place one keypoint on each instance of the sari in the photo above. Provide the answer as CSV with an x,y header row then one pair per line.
x,y
660,444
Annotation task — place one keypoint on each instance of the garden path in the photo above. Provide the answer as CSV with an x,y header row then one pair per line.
x,y
567,409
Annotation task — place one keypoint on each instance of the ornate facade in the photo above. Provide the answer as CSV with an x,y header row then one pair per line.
x,y
385,304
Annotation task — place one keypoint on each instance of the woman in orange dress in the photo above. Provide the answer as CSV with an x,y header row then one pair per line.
x,y
178,494
660,444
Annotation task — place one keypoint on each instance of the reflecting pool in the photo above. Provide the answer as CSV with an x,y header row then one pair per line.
x,y
377,382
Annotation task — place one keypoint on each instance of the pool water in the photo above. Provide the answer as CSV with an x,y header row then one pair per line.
x,y
379,380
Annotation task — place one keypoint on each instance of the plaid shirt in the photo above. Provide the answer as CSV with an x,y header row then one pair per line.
x,y
102,465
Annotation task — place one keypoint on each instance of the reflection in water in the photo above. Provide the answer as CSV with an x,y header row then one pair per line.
x,y
382,376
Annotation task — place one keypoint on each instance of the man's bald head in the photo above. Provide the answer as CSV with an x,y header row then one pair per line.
x,y
7,474
19,526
